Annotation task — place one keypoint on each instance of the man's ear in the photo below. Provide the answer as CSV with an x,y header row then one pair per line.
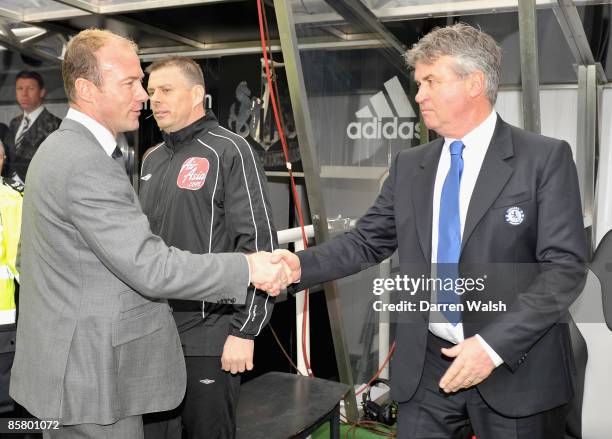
x,y
477,84
197,95
84,89
43,92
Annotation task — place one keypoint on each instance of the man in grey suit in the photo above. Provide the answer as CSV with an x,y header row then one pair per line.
x,y
96,343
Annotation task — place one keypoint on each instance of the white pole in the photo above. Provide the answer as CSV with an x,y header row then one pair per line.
x,y
299,319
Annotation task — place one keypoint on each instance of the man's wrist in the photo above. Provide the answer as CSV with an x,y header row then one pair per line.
x,y
495,358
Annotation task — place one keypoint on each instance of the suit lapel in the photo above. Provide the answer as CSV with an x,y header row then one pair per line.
x,y
493,176
422,195
14,125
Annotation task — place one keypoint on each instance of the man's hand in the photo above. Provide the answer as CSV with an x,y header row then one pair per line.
x,y
293,268
471,366
237,354
267,276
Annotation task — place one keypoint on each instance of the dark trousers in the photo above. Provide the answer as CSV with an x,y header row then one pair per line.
x,y
208,410
6,362
432,414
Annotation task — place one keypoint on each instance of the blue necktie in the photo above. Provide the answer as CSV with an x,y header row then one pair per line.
x,y
449,233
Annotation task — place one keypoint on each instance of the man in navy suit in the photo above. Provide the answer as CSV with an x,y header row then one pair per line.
x,y
30,128
496,210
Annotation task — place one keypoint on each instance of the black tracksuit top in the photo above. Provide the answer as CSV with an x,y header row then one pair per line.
x,y
204,190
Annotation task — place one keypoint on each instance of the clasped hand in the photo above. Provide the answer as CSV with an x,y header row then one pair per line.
x,y
272,272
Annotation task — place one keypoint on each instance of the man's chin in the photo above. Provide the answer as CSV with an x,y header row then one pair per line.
x,y
132,126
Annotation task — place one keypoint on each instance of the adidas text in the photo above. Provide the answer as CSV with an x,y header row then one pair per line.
x,y
384,128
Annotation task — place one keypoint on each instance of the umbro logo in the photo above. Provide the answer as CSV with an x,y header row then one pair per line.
x,y
386,121
146,177
207,381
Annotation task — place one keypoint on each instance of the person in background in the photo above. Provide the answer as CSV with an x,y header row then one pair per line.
x,y
30,128
4,139
205,191
10,228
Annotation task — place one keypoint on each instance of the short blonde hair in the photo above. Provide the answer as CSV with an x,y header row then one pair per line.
x,y
188,67
80,58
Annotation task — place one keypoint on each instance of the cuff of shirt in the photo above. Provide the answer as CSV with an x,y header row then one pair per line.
x,y
248,265
497,360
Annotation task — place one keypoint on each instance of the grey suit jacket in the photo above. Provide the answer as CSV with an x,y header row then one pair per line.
x,y
95,340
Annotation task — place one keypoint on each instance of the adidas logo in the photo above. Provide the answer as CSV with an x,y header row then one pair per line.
x,y
384,122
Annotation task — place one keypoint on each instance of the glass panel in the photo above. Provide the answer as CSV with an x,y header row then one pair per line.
x,y
595,19
26,7
361,102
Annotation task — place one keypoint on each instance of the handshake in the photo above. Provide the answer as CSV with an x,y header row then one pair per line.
x,y
272,272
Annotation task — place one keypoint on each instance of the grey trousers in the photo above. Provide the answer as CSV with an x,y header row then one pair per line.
x,y
127,428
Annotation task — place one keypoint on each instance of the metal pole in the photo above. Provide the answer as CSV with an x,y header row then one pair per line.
x,y
303,124
300,299
586,136
530,77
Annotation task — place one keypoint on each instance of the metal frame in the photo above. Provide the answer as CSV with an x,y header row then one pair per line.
x,y
458,7
589,74
10,41
357,41
573,30
400,13
96,11
586,137
80,8
530,76
357,13
301,114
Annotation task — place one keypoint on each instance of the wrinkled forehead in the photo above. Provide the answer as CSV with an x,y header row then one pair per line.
x,y
27,82
442,66
169,75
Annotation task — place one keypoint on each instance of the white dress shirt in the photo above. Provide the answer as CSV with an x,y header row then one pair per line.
x,y
31,119
476,143
100,132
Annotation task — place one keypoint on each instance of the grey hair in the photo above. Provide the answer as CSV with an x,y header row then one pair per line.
x,y
471,48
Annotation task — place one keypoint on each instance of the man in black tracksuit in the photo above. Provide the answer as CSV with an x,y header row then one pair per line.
x,y
204,190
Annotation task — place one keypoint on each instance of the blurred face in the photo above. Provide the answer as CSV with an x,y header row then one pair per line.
x,y
29,95
117,103
174,101
445,99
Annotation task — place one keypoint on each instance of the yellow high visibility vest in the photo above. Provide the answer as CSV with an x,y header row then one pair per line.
x,y
10,230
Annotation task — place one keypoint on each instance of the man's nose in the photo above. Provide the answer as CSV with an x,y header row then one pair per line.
x,y
141,94
420,96
154,97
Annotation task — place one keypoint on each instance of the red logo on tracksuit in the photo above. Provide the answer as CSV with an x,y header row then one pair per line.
x,y
193,173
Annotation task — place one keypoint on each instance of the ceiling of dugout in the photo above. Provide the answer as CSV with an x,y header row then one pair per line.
x,y
39,29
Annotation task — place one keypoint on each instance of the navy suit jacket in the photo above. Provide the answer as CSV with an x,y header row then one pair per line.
x,y
533,262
